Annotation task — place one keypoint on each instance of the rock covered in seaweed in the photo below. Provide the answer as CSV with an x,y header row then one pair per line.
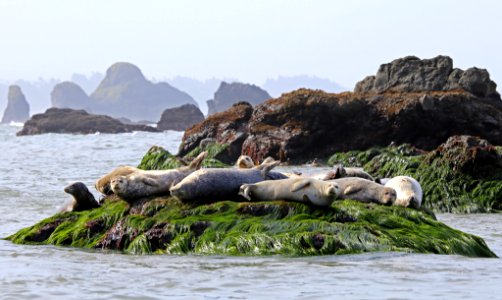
x,y
165,225
180,118
65,120
18,109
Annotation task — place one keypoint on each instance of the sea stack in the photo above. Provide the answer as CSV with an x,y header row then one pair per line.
x,y
180,118
230,93
18,109
70,95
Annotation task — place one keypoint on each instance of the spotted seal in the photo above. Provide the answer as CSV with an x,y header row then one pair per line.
x,y
365,190
143,183
306,190
219,183
82,198
408,190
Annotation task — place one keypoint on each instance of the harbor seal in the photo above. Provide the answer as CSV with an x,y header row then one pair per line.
x,y
82,198
103,184
143,183
365,190
244,162
408,190
339,171
219,183
306,190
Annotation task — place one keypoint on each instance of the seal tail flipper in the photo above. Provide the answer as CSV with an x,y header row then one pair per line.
x,y
265,168
245,192
301,184
197,162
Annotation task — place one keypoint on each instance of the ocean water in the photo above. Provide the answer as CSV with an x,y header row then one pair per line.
x,y
35,169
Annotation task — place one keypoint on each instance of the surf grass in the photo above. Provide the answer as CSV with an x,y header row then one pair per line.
x,y
445,189
168,226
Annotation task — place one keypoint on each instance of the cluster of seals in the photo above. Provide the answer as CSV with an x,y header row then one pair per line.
x,y
365,190
82,198
219,183
143,183
306,190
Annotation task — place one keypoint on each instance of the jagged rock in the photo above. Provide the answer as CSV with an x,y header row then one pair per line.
x,y
411,74
18,109
125,92
180,118
230,93
69,95
66,120
228,127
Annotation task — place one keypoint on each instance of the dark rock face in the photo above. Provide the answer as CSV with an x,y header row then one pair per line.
x,y
180,118
230,93
18,110
69,95
125,92
411,74
65,120
228,127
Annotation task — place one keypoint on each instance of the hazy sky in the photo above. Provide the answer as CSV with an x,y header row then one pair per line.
x,y
249,40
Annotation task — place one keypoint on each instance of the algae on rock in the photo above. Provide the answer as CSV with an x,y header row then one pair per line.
x,y
166,225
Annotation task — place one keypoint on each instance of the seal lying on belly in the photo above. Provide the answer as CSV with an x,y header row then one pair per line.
x,y
408,191
82,198
143,183
306,190
219,184
364,190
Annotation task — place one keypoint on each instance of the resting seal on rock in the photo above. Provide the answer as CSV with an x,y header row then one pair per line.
x,y
219,183
103,184
152,182
244,162
340,171
365,190
82,198
408,190
306,190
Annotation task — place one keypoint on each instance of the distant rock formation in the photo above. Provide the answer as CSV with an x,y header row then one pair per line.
x,y
231,93
411,74
18,109
65,120
408,105
125,92
70,95
180,118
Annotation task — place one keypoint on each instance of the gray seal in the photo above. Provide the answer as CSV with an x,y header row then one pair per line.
x,y
365,190
82,198
143,183
306,190
215,184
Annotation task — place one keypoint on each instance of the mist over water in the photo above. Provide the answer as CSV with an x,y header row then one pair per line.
x,y
34,170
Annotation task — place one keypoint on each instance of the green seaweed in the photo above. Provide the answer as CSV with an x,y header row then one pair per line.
x,y
169,226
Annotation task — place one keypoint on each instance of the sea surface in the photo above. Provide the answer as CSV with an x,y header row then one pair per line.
x,y
35,169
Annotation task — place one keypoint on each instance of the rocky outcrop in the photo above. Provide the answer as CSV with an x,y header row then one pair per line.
x,y
65,120
229,127
411,74
230,93
69,95
125,92
180,118
305,124
18,109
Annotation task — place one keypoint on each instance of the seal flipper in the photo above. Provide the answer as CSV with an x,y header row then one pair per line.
x,y
351,190
266,168
300,185
197,162
149,181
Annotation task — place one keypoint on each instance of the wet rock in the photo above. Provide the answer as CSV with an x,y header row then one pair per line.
x,y
230,93
65,120
180,118
118,237
228,127
18,109
158,236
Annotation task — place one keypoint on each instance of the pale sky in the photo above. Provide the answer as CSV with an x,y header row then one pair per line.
x,y
248,40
